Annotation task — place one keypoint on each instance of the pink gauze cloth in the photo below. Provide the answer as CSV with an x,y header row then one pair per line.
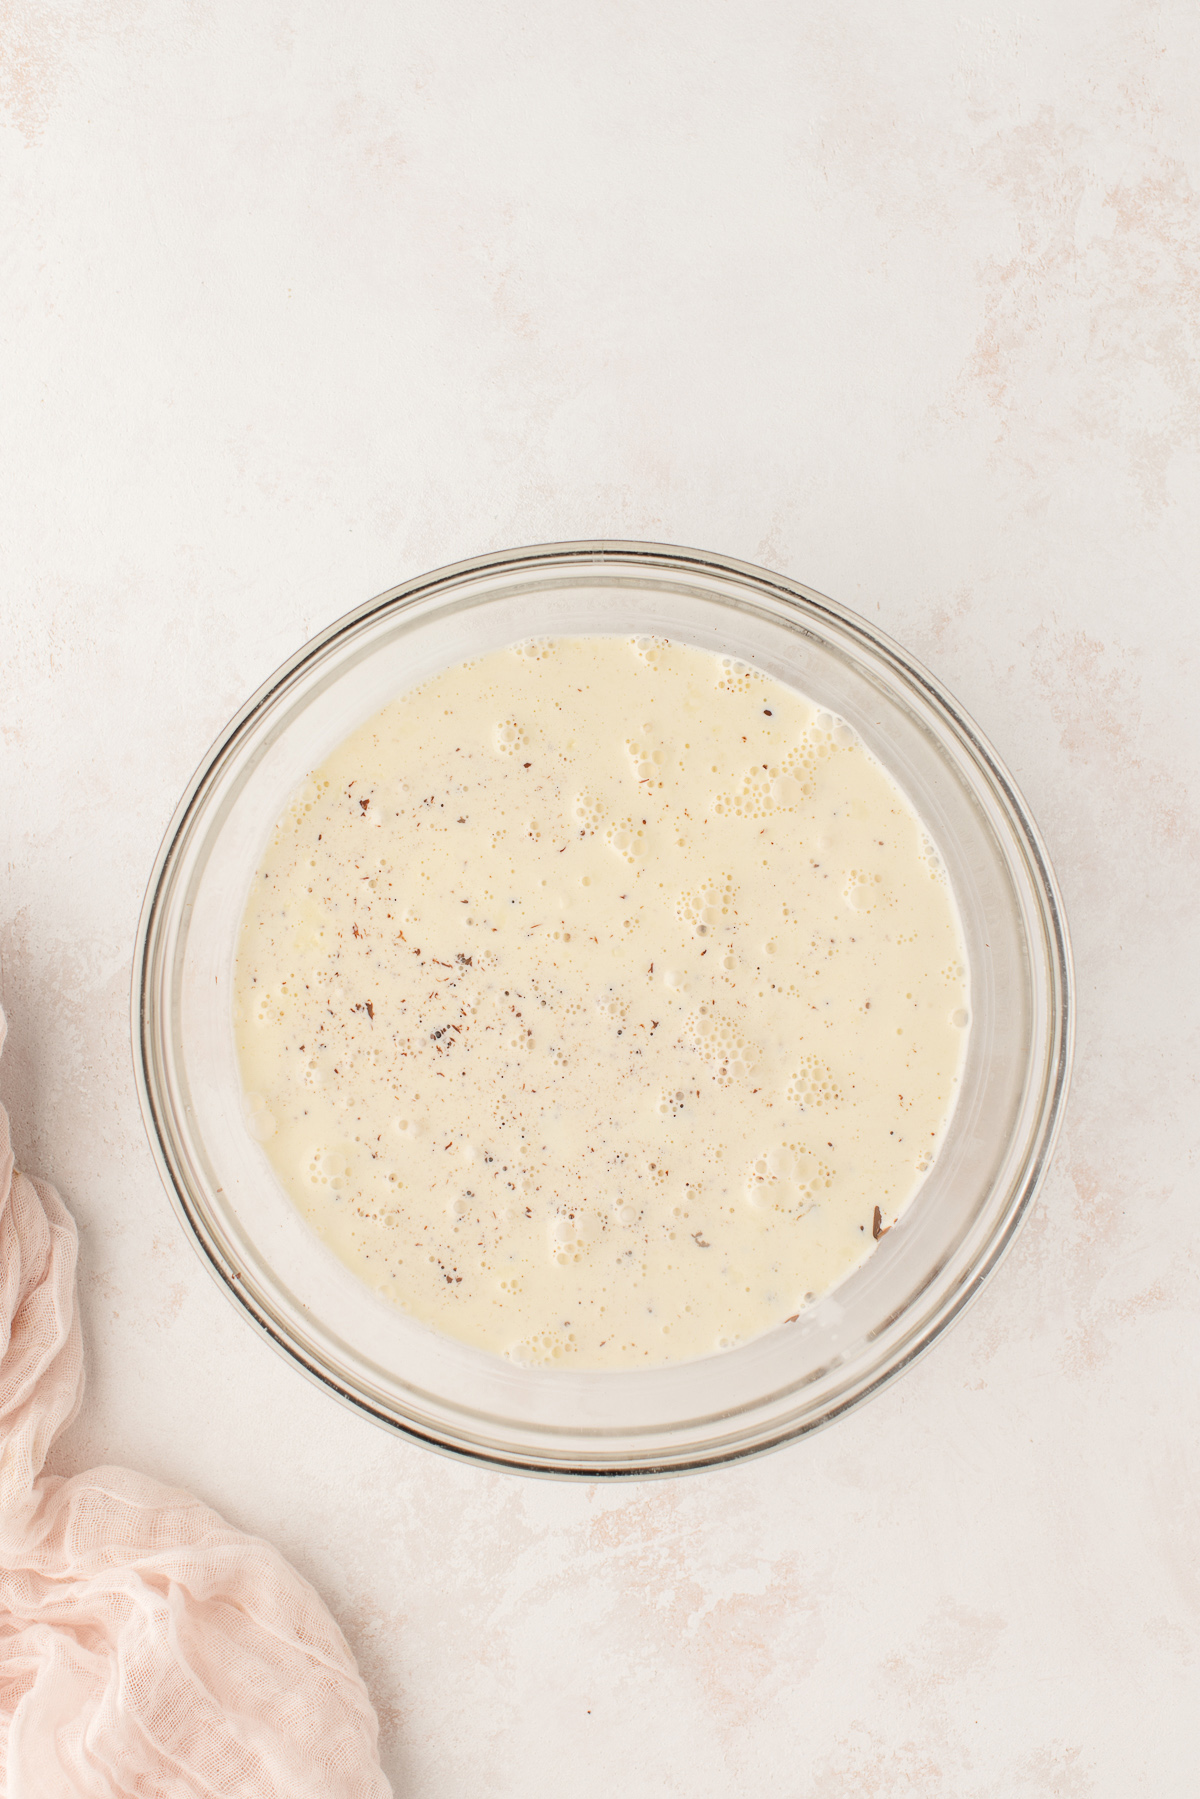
x,y
146,1647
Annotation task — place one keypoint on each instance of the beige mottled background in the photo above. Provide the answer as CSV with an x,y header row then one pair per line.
x,y
903,299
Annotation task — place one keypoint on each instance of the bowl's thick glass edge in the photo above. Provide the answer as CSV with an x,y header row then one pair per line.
x,y
664,558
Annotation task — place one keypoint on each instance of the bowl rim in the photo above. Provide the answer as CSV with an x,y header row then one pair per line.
x,y
669,559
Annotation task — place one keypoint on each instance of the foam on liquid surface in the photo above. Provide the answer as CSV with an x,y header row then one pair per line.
x,y
592,996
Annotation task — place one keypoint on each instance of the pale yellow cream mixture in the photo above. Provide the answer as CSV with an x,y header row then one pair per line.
x,y
601,1002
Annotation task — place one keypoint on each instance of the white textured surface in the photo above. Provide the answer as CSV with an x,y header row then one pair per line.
x,y
901,300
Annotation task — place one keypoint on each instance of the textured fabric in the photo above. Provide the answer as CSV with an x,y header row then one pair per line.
x,y
146,1647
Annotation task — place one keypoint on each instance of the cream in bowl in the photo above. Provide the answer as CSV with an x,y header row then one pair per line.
x,y
601,1001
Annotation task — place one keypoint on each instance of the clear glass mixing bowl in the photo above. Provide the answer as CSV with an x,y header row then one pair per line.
x,y
628,1422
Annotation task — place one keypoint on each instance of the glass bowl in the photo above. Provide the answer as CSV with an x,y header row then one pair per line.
x,y
652,1421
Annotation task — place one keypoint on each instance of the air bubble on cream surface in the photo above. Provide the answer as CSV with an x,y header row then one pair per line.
x,y
509,737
